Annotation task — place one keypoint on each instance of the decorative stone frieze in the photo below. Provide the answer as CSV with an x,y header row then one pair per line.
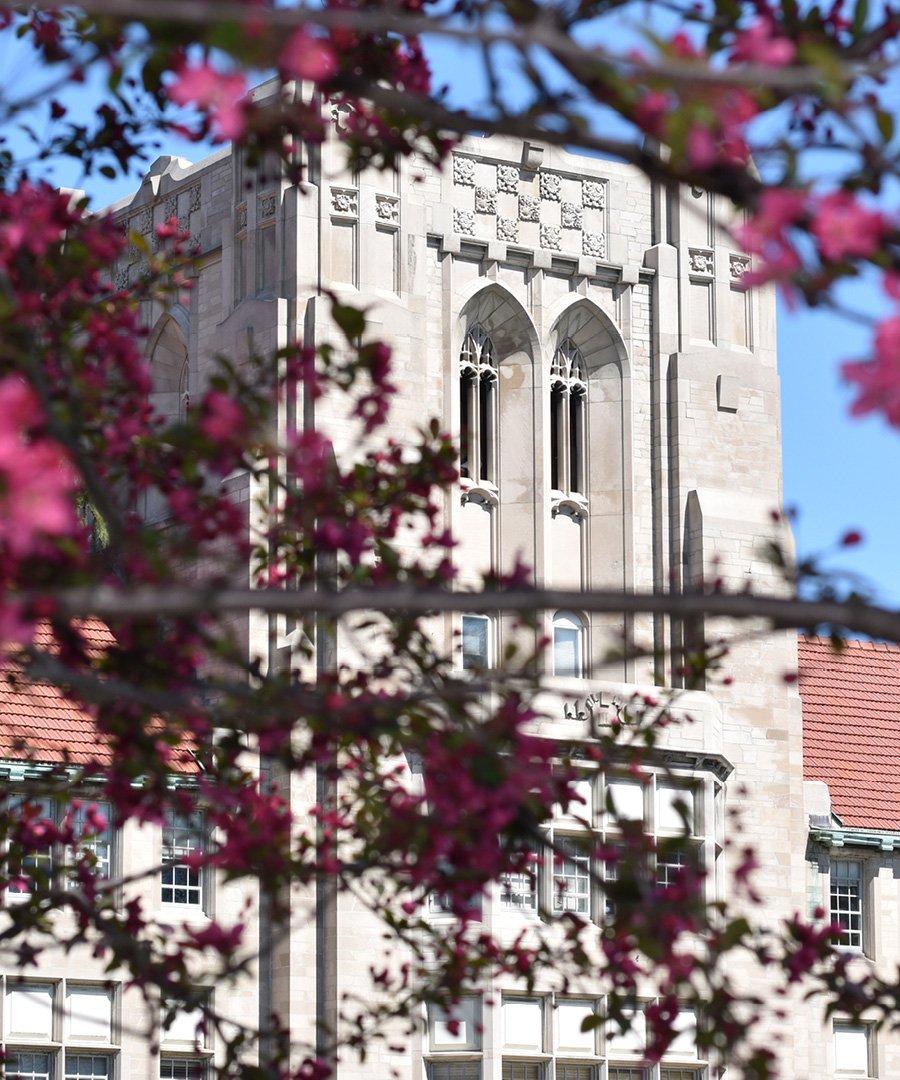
x,y
463,171
265,206
508,179
143,222
551,186
701,262
593,194
738,266
485,200
551,237
593,244
194,204
240,218
529,208
171,210
570,215
387,209
345,202
464,222
507,229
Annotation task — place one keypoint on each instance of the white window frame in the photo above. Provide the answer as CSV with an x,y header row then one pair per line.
x,y
488,624
860,1028
54,859
568,426
458,1057
847,902
183,886
568,622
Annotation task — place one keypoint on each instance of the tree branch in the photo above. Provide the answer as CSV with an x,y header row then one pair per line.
x,y
151,602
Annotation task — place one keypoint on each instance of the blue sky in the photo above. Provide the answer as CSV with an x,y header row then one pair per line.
x,y
840,473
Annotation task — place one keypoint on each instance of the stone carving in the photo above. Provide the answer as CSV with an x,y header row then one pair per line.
x,y
184,224
508,178
593,244
551,237
485,200
701,262
345,201
122,278
570,215
463,171
240,217
387,209
507,229
171,207
594,194
143,223
339,113
265,206
195,198
551,185
464,222
133,253
739,265
529,208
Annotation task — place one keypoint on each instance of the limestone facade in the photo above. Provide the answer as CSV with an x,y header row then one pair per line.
x,y
584,332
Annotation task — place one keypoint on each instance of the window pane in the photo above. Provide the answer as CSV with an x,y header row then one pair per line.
x,y
625,1072
475,641
94,844
87,1066
36,868
572,877
454,1070
30,1011
575,1072
679,1074
851,1049
627,799
668,801
634,1039
521,1070
570,1015
89,1013
846,901
566,651
523,1024
671,866
28,1067
519,890
183,836
181,1069
458,1028
183,1026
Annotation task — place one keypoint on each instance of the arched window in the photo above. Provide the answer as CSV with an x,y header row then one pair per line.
x,y
568,645
568,401
478,408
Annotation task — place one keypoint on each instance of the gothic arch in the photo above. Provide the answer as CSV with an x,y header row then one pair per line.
x,y
501,315
167,353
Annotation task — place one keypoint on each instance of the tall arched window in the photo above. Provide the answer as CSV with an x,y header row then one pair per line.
x,y
568,401
478,408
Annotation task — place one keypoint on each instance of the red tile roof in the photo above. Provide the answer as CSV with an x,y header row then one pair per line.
x,y
851,727
39,724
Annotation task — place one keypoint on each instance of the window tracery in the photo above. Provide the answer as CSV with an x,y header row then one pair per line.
x,y
478,385
568,402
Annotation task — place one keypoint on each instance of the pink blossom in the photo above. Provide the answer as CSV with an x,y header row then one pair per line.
x,y
844,229
308,57
761,43
878,380
36,482
222,417
215,93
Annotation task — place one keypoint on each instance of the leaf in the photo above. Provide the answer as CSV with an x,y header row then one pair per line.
x,y
350,319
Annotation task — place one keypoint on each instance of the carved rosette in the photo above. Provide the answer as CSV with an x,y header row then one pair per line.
x,y
570,215
701,262
593,244
508,179
485,200
507,229
464,222
463,171
387,209
529,208
551,237
345,202
593,194
738,266
265,206
551,186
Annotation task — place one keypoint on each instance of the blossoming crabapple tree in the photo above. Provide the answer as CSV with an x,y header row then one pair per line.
x,y
80,445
